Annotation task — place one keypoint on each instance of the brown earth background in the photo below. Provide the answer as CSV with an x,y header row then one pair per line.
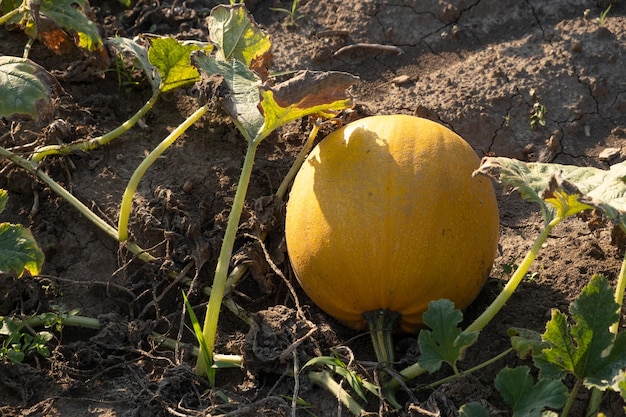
x,y
477,67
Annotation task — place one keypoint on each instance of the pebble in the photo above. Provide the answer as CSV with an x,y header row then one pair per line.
x,y
609,153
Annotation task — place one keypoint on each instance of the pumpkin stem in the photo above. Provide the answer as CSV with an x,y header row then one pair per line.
x,y
382,324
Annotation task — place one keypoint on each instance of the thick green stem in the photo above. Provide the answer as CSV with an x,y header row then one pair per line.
x,y
239,270
223,361
221,272
382,324
324,380
127,199
297,164
514,282
95,143
571,398
72,321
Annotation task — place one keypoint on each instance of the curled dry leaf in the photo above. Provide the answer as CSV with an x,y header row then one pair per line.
x,y
311,88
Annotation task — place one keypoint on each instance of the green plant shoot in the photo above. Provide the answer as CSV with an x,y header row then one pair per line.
x,y
166,65
257,109
560,191
291,12
587,348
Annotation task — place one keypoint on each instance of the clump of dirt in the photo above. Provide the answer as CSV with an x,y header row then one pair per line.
x,y
481,67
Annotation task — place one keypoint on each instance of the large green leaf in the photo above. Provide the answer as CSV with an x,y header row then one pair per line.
x,y
26,88
19,251
574,188
445,342
259,109
586,348
528,399
243,98
233,30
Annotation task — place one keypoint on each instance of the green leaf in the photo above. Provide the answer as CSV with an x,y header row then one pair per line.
x,y
525,342
4,197
528,399
15,356
67,15
19,251
26,88
473,409
243,83
172,58
9,5
586,348
167,63
446,342
353,379
39,343
233,30
567,189
256,109
197,329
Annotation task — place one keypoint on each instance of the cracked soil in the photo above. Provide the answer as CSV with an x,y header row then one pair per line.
x,y
480,67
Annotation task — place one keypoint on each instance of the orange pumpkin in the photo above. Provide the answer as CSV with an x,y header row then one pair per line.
x,y
385,216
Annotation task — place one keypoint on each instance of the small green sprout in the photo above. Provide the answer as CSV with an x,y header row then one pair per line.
x,y
507,120
291,12
602,18
538,115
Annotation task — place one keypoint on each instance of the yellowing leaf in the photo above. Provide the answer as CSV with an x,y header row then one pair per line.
x,y
3,199
307,93
19,251
173,61
166,63
567,189
236,35
243,98
71,18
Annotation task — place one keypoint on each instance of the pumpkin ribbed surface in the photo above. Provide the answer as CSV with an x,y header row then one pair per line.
x,y
385,215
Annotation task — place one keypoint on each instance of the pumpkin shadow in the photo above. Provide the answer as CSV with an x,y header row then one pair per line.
x,y
335,198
